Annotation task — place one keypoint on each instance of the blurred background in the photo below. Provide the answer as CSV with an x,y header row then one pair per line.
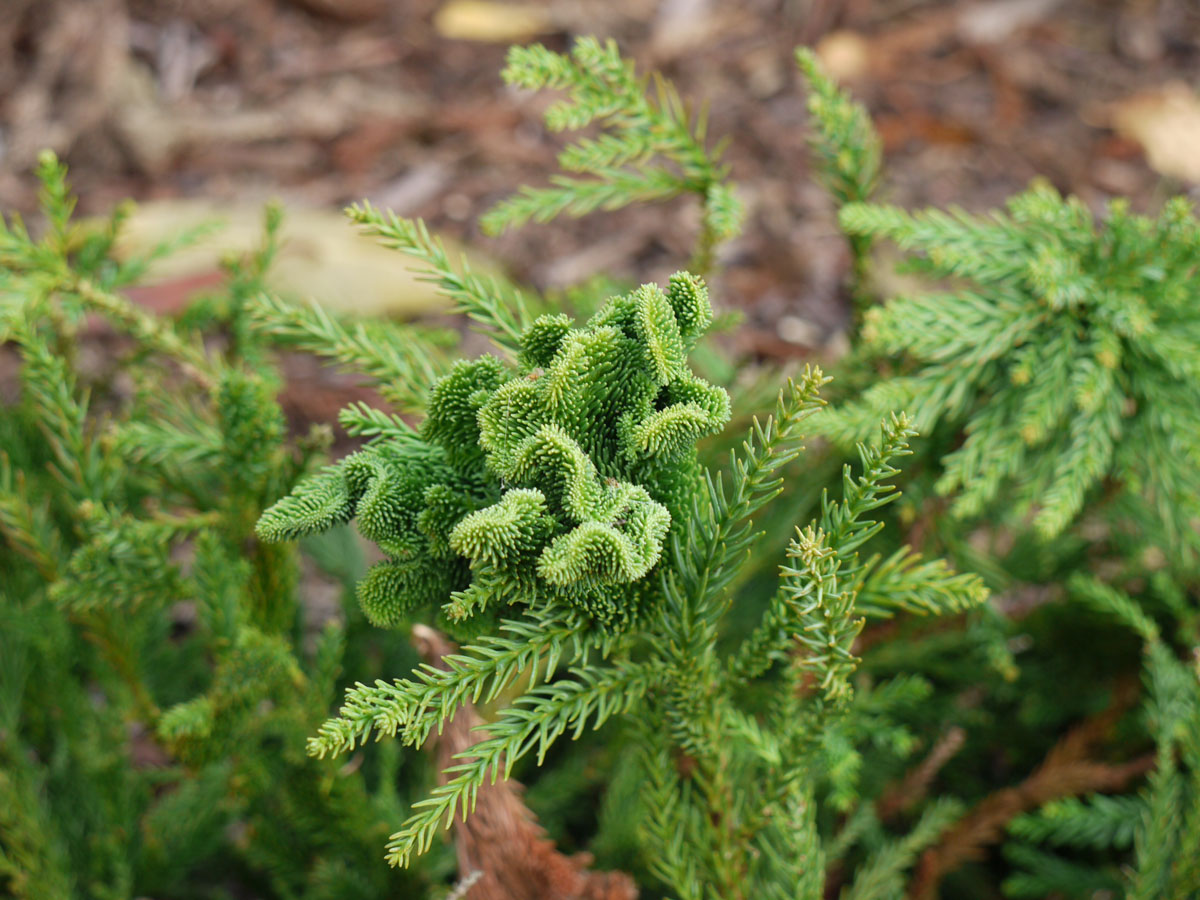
x,y
213,106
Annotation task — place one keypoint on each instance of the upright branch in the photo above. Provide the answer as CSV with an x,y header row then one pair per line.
x,y
649,148
847,153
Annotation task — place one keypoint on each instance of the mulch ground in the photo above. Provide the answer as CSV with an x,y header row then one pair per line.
x,y
323,102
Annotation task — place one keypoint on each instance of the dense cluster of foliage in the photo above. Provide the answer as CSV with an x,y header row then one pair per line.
x,y
553,483
805,686
160,672
1069,360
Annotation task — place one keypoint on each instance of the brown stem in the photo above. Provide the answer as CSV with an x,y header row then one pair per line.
x,y
1064,772
97,630
915,785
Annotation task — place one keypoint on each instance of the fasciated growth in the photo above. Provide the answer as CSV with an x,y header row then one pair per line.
x,y
554,481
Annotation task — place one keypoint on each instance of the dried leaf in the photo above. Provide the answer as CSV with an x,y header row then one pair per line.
x,y
322,257
1166,122
500,23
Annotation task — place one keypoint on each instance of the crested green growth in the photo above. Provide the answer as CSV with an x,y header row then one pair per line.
x,y
1067,357
649,147
552,481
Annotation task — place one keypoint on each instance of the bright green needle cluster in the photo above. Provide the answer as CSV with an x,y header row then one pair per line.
x,y
554,481
1069,356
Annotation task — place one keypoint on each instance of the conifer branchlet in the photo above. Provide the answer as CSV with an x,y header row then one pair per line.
x,y
1069,357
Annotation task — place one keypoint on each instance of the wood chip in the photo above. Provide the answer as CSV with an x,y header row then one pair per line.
x,y
497,23
1166,123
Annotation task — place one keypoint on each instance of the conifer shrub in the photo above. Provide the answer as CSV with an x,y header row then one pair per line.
x,y
1067,357
159,672
575,555
804,687
1049,362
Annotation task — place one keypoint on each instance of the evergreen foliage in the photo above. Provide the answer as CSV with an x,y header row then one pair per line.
x,y
649,148
1066,357
568,492
668,669
555,482
773,677
846,154
155,689
1052,372
1160,824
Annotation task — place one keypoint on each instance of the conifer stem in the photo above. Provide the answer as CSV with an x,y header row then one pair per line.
x,y
98,630
704,254
141,325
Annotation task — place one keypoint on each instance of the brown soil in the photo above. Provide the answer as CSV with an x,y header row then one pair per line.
x,y
325,102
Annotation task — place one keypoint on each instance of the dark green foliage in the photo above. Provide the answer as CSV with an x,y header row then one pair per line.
x,y
1053,373
154,689
1160,824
